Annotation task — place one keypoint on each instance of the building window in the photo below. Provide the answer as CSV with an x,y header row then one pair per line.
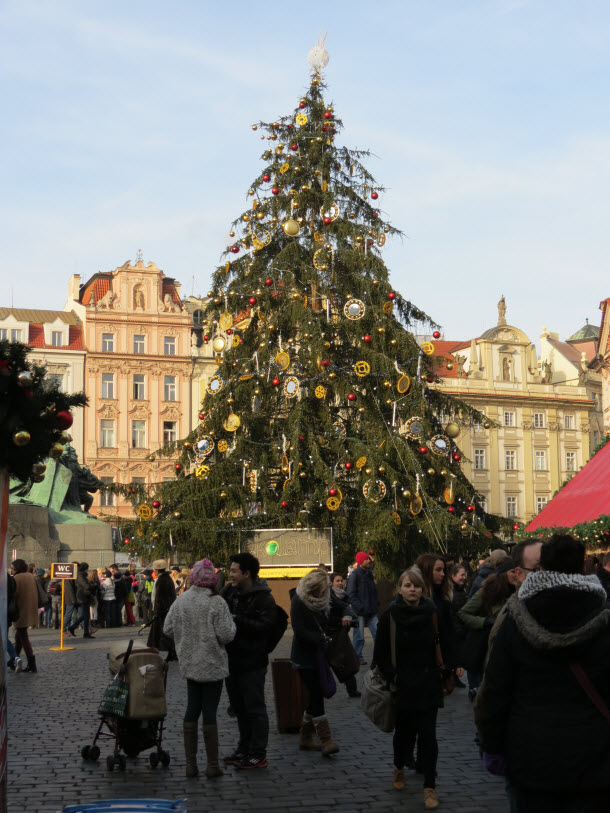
x,y
138,344
170,431
479,458
3,333
54,380
509,419
57,338
198,317
138,387
510,456
138,434
538,420
570,461
540,458
511,506
169,346
540,503
107,385
107,497
16,334
107,342
169,387
107,434
138,481
569,422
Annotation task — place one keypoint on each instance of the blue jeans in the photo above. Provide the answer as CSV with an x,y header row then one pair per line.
x,y
82,618
10,648
358,638
68,615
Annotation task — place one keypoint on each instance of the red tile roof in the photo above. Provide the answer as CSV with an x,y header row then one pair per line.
x,y
442,353
586,346
169,288
584,498
75,338
96,287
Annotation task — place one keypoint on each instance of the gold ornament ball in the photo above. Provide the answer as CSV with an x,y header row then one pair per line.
x,y
211,293
223,495
219,344
271,328
381,469
155,535
274,220
211,433
186,444
260,215
375,282
250,191
230,401
486,425
380,330
393,342
332,375
177,514
246,218
257,391
361,410
389,402
231,234
217,300
304,188
450,365
328,247
56,451
291,228
22,438
386,230
431,471
358,239
302,475
387,385
452,430
327,345
255,127
443,472
39,468
368,472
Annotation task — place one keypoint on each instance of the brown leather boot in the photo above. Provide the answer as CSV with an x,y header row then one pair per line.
x,y
307,735
430,799
210,739
326,738
190,749
398,778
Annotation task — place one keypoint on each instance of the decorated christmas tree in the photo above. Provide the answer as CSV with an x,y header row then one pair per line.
x,y
320,414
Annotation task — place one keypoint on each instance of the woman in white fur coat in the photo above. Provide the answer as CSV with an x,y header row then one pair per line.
x,y
200,623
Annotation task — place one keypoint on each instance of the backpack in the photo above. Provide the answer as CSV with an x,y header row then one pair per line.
x,y
55,587
280,623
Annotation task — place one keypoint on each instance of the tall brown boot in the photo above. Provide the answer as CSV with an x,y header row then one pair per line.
x,y
307,735
190,749
326,738
210,738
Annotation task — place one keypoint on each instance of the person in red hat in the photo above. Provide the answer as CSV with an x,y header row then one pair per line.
x,y
364,600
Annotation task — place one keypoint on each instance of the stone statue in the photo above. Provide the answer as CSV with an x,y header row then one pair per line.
x,y
169,306
107,300
502,311
460,361
506,369
138,297
548,373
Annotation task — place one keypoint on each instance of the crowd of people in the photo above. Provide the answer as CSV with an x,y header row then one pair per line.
x,y
529,629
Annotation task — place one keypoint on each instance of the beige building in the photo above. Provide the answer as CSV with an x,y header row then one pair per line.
x,y
137,377
56,342
541,415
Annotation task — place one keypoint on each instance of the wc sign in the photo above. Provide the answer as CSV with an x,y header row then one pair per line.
x,y
63,570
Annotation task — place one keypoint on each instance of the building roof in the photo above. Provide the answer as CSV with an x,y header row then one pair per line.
x,y
96,287
572,354
585,497
40,316
586,332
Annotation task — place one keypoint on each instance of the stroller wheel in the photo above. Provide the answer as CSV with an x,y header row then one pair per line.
x,y
153,759
94,753
110,763
164,758
86,752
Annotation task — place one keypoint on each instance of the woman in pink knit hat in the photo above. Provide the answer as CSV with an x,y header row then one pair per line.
x,y
200,623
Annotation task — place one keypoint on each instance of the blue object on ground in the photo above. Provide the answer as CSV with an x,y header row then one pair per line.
x,y
129,806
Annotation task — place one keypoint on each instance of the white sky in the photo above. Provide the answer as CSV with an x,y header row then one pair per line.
x,y
128,125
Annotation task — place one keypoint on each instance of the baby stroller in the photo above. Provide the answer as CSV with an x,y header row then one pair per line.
x,y
141,728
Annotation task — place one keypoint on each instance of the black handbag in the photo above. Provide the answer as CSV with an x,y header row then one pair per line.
x,y
341,655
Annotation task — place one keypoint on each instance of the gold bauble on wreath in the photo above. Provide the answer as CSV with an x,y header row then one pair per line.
x,y
23,437
56,451
291,228
452,429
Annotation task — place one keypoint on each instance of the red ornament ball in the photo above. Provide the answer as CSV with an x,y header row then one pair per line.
x,y
276,382
294,147
375,214
178,467
325,362
349,465
423,449
126,541
290,126
451,509
268,282
515,526
206,337
332,492
302,438
252,300
64,419
325,128
201,416
275,191
284,504
156,504
266,178
229,331
327,221
392,296
374,195
456,456
234,249
302,105
351,396
430,379
328,115
437,334
367,338
470,508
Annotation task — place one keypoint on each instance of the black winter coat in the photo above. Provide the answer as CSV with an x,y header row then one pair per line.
x,y
460,597
309,630
362,592
83,588
418,676
446,632
165,595
604,578
253,612
531,707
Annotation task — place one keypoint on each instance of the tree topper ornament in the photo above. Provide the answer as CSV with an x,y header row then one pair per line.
x,y
318,56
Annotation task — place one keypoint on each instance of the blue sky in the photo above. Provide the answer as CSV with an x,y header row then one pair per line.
x,y
128,125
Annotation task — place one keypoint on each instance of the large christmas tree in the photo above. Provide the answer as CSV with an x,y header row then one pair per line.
x,y
320,414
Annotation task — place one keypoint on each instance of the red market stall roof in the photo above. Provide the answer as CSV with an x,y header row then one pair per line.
x,y
585,497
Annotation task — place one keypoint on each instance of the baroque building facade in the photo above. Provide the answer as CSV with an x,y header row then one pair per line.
x,y
540,414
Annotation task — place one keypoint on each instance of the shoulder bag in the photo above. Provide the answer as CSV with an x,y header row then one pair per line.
x,y
116,697
378,701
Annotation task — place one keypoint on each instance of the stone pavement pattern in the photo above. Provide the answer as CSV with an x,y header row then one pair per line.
x,y
53,714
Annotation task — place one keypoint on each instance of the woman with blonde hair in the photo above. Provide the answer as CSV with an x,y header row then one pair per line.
x,y
411,621
309,615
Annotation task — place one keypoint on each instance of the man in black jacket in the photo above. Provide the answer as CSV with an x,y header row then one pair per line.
x,y
83,599
252,607
364,600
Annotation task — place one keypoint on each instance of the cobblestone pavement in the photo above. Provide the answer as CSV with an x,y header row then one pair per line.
x,y
53,714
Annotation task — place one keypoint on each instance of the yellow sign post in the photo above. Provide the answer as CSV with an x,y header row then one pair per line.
x,y
63,571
